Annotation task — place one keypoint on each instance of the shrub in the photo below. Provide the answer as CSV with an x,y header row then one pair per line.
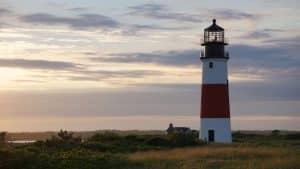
x,y
97,146
106,137
295,136
275,132
183,139
64,141
2,138
158,141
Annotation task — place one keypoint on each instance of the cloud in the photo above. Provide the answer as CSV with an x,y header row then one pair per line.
x,y
231,14
276,89
77,9
76,72
56,4
242,55
273,62
287,42
158,11
81,22
273,30
263,56
148,102
88,21
174,58
37,64
137,27
3,14
257,35
267,90
4,11
261,34
162,12
261,62
98,75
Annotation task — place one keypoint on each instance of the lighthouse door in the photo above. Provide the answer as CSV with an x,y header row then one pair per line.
x,y
211,135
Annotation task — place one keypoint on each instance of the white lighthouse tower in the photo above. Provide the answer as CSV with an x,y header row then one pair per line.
x,y
215,109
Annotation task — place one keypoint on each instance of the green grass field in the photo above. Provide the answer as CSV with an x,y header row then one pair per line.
x,y
179,151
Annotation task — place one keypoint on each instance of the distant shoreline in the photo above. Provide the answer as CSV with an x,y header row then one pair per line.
x,y
43,135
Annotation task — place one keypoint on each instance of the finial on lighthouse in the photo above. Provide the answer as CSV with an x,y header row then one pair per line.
x,y
214,21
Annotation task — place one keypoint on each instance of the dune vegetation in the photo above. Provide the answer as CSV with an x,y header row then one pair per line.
x,y
176,151
216,156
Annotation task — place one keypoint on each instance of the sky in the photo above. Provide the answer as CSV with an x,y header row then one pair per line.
x,y
132,64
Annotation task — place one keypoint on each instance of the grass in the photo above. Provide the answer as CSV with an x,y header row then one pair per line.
x,y
221,157
178,151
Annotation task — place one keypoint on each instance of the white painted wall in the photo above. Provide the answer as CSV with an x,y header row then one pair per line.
x,y
216,75
221,126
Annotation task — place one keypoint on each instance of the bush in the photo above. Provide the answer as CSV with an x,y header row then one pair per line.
x,y
295,136
2,138
74,159
275,132
113,142
106,137
158,141
184,139
63,141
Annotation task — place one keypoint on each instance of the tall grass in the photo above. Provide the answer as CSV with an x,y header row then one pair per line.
x,y
220,157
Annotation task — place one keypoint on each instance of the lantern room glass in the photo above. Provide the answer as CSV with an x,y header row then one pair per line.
x,y
214,36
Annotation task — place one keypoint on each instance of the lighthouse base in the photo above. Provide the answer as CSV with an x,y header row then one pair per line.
x,y
215,130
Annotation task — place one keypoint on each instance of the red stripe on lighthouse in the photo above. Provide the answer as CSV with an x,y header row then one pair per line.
x,y
215,101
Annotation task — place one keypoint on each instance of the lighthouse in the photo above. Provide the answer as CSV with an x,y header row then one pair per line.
x,y
215,110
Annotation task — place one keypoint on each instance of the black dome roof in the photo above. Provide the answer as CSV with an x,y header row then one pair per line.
x,y
214,27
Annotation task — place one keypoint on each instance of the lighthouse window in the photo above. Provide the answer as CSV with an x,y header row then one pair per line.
x,y
211,65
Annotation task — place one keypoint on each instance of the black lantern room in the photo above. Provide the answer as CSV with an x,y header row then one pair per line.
x,y
214,42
